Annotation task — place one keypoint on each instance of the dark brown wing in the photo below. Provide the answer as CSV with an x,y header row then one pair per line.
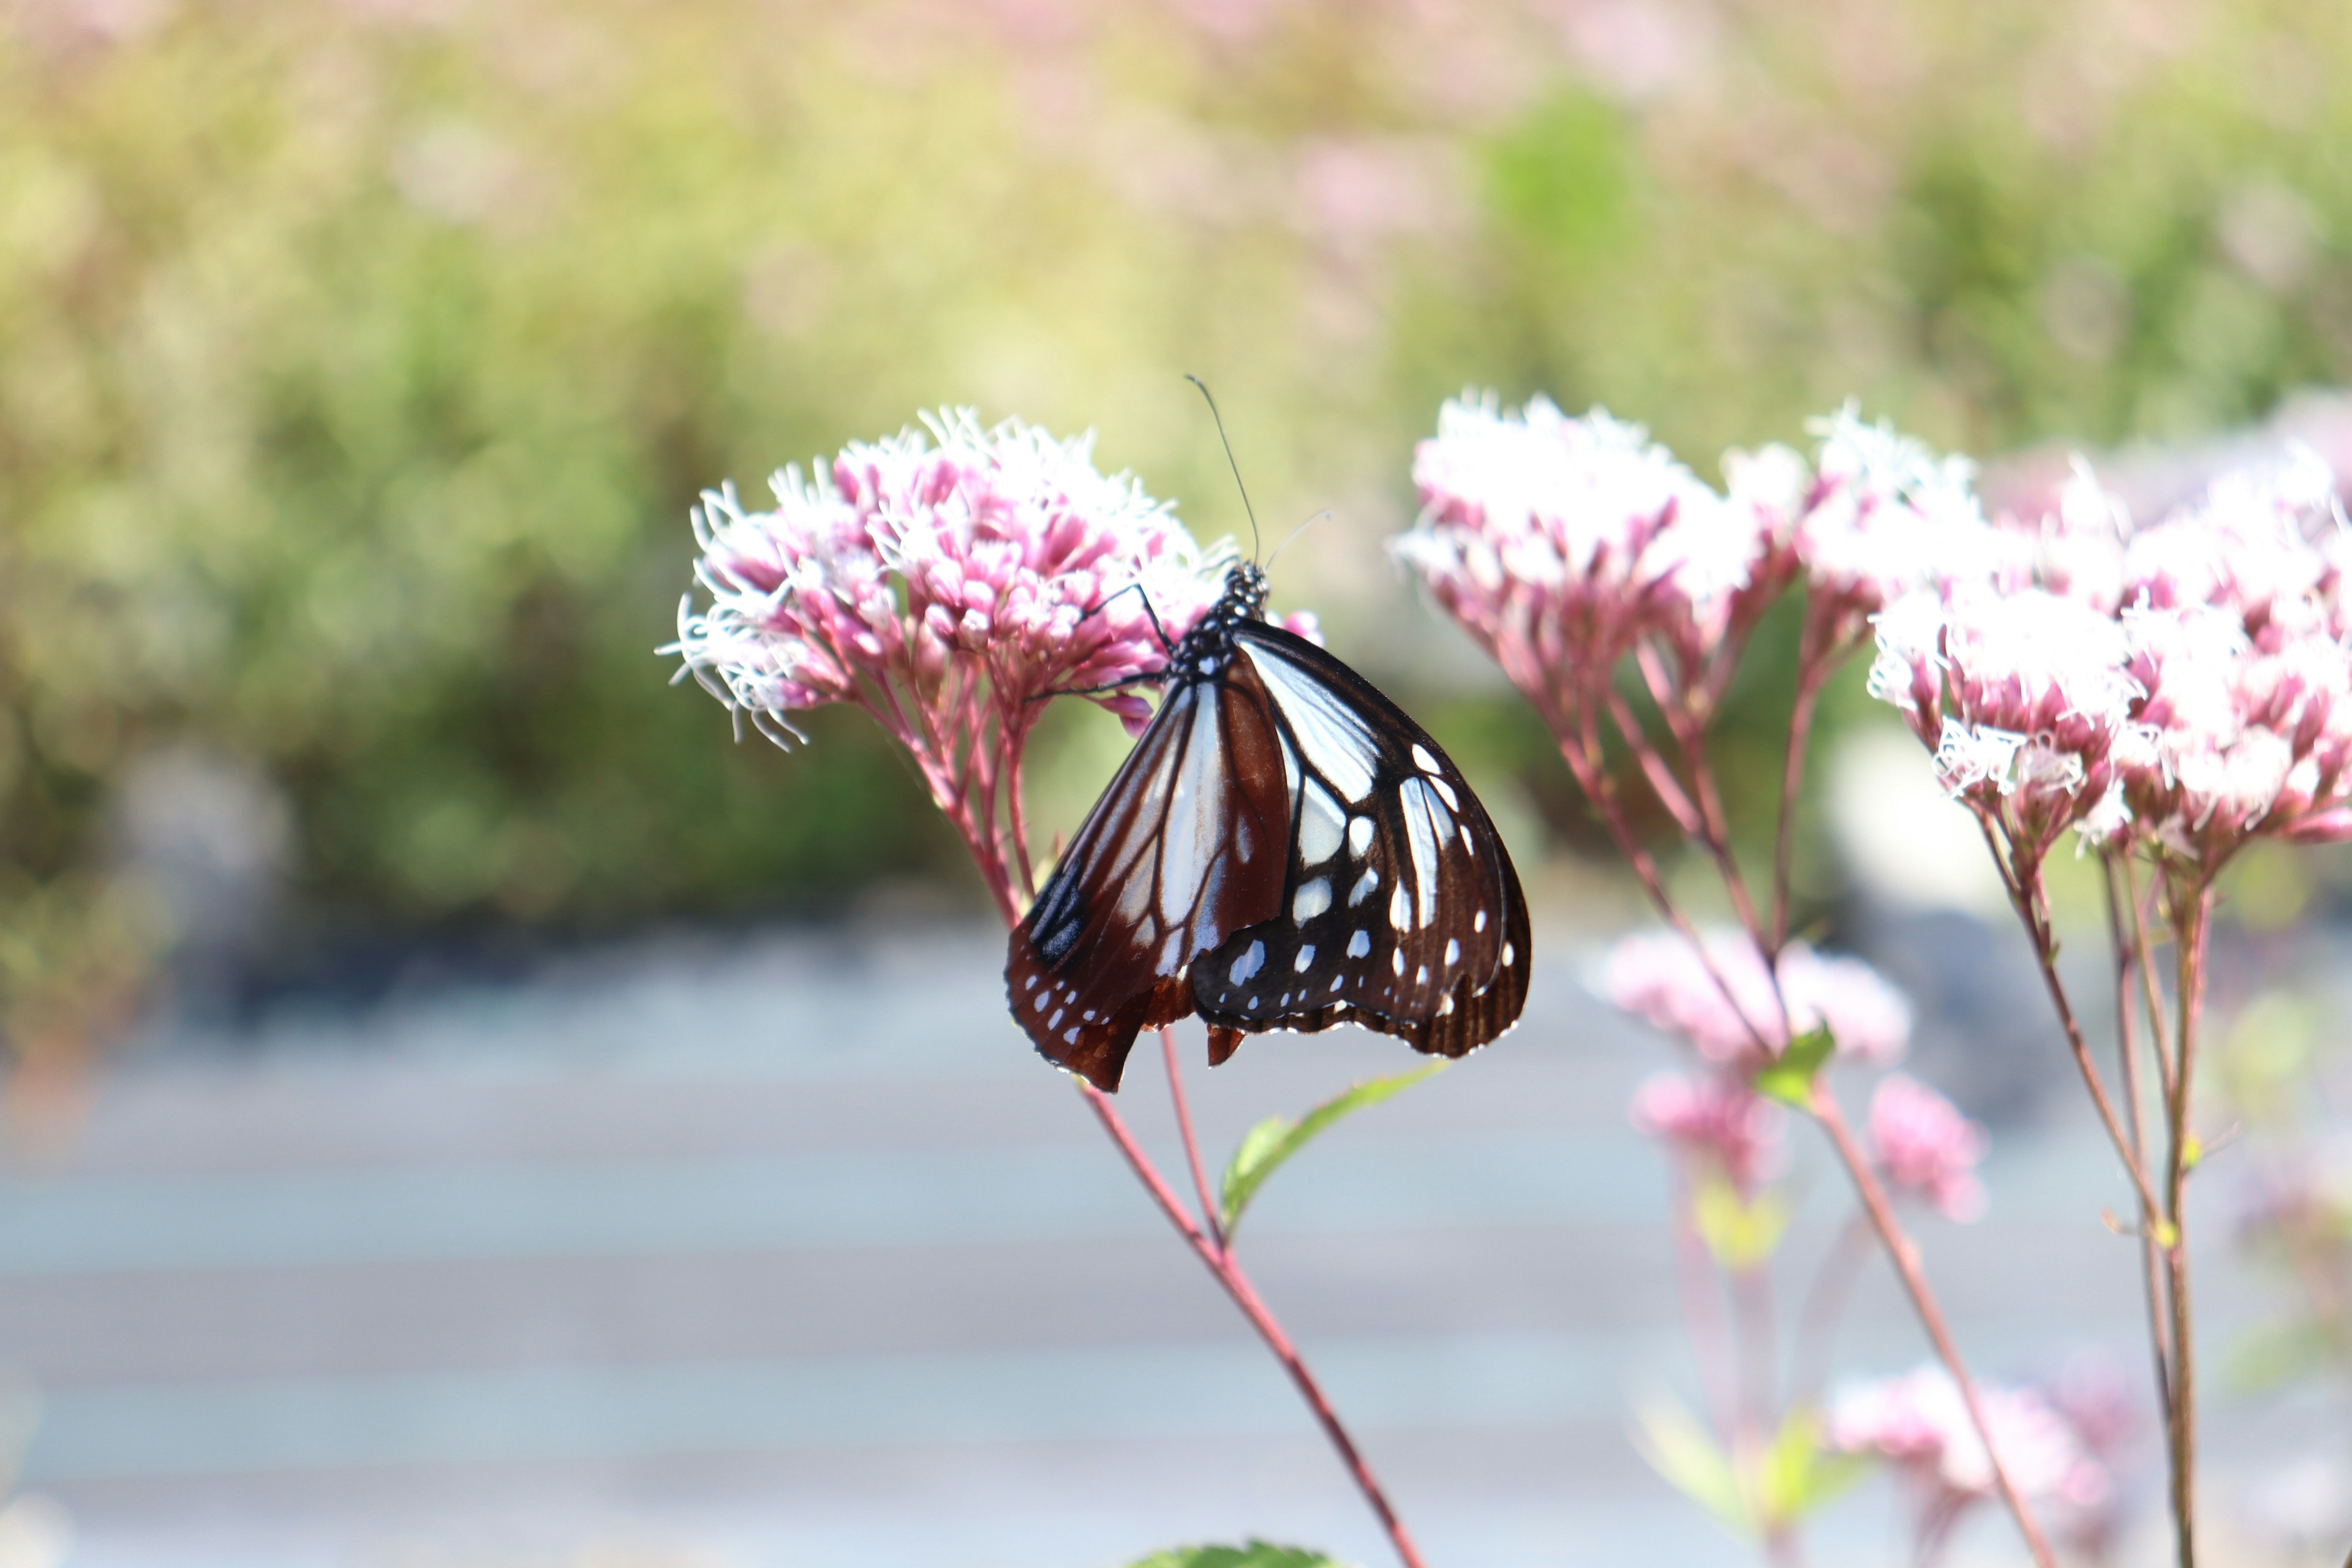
x,y
1184,847
1400,909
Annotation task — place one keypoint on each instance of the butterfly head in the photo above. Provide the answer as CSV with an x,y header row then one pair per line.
x,y
1245,597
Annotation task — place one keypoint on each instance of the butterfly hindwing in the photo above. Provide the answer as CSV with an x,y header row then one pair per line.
x,y
1399,909
1185,846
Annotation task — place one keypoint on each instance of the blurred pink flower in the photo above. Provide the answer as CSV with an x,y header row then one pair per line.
x,y
939,585
1926,1148
1559,542
1886,518
1917,1423
1662,977
1714,1118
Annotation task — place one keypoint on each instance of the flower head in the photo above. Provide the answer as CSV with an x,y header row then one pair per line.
x,y
1713,1118
1925,1147
1678,988
1888,518
1918,1423
1559,542
975,565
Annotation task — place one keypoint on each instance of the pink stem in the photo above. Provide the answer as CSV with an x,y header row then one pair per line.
x,y
1228,1270
2127,1048
1810,670
2191,918
1210,1208
1903,1254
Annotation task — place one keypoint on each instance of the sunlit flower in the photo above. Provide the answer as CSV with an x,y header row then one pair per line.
x,y
1667,981
1919,1424
1556,542
1926,1148
1713,1118
973,566
1888,518
2020,695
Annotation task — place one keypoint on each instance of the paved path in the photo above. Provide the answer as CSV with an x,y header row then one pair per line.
x,y
784,1250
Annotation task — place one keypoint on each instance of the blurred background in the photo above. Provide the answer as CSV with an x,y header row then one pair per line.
x,y
465,1109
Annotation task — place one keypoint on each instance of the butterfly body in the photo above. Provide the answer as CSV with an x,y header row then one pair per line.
x,y
1283,849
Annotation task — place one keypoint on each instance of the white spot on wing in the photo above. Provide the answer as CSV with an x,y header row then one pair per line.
x,y
1442,787
1509,954
1396,962
1172,952
1359,945
1320,825
1360,835
1249,962
1401,909
1423,759
1366,886
1304,960
1453,950
1195,816
1422,835
1479,922
1311,900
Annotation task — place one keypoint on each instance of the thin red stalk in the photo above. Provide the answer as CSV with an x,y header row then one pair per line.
x,y
1210,1210
1699,809
2167,1073
2190,923
1903,1254
1662,782
1228,1270
2127,1048
2033,909
1810,670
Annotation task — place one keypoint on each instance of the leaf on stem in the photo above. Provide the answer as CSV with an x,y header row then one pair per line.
x,y
1789,1077
1265,1146
1249,1554
1798,1474
1687,1456
1740,1232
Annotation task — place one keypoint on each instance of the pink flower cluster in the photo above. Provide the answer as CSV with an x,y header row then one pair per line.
x,y
1886,516
2186,684
1559,542
1724,1002
1716,1119
922,574
1926,1148
1917,1423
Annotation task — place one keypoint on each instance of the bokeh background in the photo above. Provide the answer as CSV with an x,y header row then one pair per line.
x,y
359,363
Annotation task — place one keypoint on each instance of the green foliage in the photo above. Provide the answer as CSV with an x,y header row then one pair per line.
x,y
1249,1554
1789,1077
1265,1146
358,364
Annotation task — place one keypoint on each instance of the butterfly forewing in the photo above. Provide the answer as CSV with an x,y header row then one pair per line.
x,y
1399,909
1184,847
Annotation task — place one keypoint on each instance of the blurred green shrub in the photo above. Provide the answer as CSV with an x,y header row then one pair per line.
x,y
358,362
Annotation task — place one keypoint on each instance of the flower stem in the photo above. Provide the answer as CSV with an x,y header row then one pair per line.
x,y
2127,951
1810,670
1903,1254
2191,918
1210,1210
1222,1263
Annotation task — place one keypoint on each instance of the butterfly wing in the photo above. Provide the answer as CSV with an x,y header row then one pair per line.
x,y
1183,848
1399,908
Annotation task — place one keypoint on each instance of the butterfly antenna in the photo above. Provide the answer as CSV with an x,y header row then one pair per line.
x,y
1256,544
1293,535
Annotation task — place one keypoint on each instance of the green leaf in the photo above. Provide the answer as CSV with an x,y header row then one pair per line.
x,y
1790,1078
1266,1145
1249,1554
1740,1232
1798,1474
1686,1453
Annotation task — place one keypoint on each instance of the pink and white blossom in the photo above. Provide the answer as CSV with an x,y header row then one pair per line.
x,y
1926,1148
1662,977
1888,518
1716,1119
983,564
1558,542
1919,1424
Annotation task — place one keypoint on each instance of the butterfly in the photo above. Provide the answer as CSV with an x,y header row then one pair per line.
x,y
1283,849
